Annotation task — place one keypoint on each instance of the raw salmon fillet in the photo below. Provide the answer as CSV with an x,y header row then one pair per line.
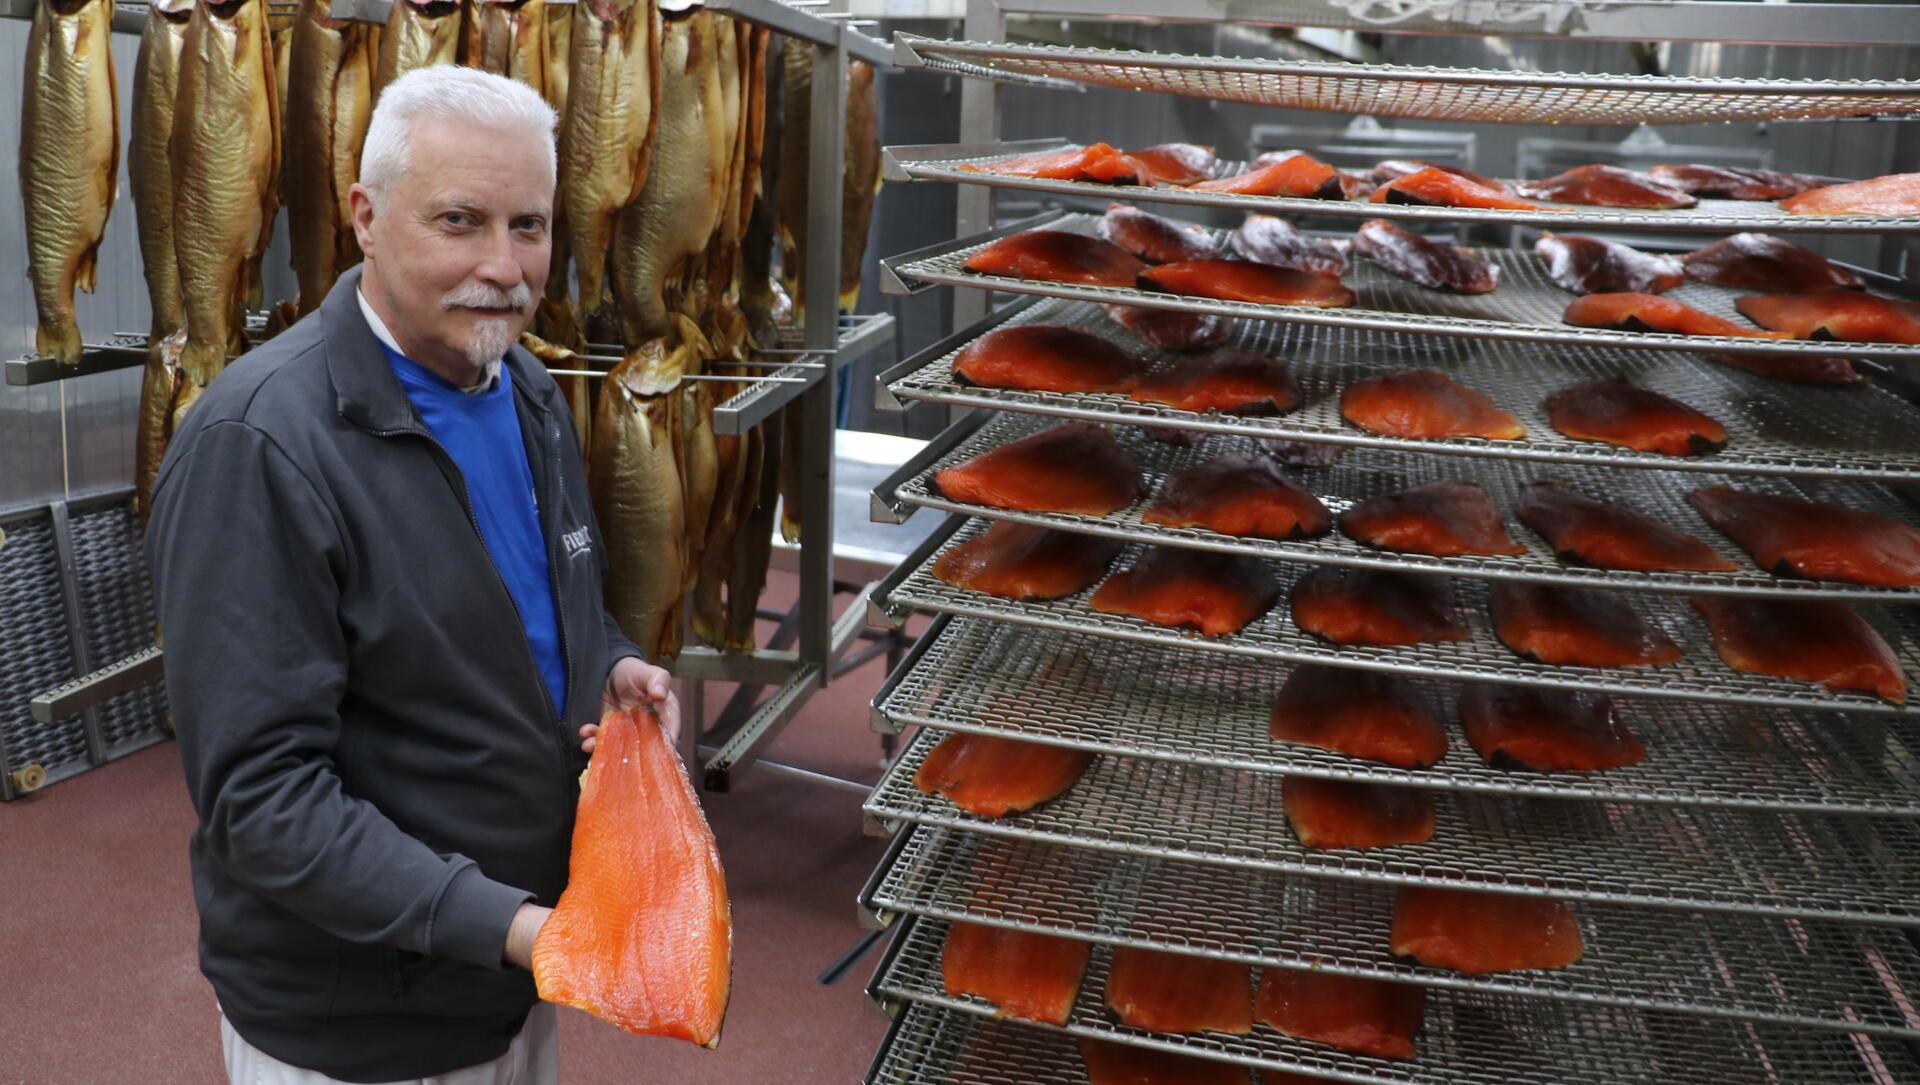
x,y
1170,329
1352,1013
1477,933
1393,169
1172,992
1026,975
1894,194
1217,594
1265,239
1437,187
1155,239
1607,186
1579,627
1432,264
1845,316
643,934
1109,1063
1021,561
1097,162
1442,519
1793,368
993,776
1548,730
1766,263
1585,531
1648,313
1046,358
1592,265
1812,640
1057,256
1243,280
1234,381
1616,411
1241,495
1425,404
1374,606
1331,814
1296,174
1074,467
1790,536
1364,714
1733,182
1175,163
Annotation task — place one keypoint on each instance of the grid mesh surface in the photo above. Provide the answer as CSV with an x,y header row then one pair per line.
x,y
1526,309
116,606
1429,93
1467,1037
1698,675
1667,857
1775,428
36,653
1366,473
1708,216
1796,972
1211,709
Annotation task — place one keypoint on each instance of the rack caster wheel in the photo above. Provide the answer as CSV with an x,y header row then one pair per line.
x,y
29,777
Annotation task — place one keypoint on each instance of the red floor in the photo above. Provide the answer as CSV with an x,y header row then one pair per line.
x,y
98,982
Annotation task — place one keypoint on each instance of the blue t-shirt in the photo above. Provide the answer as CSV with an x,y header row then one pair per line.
x,y
481,431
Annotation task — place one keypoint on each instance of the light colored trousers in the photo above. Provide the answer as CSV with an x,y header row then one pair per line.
x,y
533,1059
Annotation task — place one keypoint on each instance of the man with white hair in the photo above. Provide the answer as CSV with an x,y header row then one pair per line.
x,y
379,577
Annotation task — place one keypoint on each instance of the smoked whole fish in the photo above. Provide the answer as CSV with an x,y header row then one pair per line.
x,y
330,101
860,180
418,34
607,135
508,37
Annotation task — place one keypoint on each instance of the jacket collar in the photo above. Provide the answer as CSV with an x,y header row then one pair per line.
x,y
366,392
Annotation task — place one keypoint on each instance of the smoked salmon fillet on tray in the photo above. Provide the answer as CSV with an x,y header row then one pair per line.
x,y
1366,477
1773,427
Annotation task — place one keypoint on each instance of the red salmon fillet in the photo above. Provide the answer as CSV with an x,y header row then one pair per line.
x,y
1109,1063
1242,495
1374,606
1059,257
643,934
1235,381
1812,640
1046,358
1097,162
1021,561
1364,714
1025,975
1592,265
1440,188
1766,263
1393,169
1172,992
1300,175
1217,594
1245,281
1352,1013
1582,530
1155,239
1477,933
1733,182
1648,313
1331,814
1894,194
1548,730
1170,329
1616,411
1607,186
1074,467
1423,262
1425,404
1843,315
993,776
1578,627
1441,519
1175,163
1790,536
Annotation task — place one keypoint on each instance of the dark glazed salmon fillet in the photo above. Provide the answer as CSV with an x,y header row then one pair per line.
x,y
1766,263
1608,186
1811,640
1440,188
1790,536
1155,239
1046,358
1170,329
1031,976
1329,814
1733,182
1352,1013
1578,627
1894,194
1648,313
1585,531
1432,264
1234,381
1441,519
1265,239
1241,495
1374,606
1839,315
1364,714
1175,163
1792,368
1616,411
1245,281
1074,467
1425,404
1547,730
1021,561
1477,933
1297,174
993,776
1098,162
1171,992
1592,265
1393,169
1217,594
1124,1064
1057,256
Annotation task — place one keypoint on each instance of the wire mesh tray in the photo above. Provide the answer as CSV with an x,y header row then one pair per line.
x,y
1813,975
1776,428
1845,869
1698,675
1367,473
943,163
1526,309
1211,709
1429,93
1466,1038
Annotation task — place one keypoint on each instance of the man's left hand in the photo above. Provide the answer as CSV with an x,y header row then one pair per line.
x,y
632,684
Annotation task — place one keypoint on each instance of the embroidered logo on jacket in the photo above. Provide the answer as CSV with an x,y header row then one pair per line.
x,y
576,542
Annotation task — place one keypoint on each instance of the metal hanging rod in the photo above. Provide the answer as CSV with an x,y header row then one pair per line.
x,y
743,378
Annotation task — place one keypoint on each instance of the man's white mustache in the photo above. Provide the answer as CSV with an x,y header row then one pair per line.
x,y
482,296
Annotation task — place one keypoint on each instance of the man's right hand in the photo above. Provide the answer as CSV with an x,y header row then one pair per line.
x,y
522,933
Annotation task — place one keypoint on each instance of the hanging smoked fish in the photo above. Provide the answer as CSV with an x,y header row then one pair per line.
x,y
508,37
607,133
332,101
418,33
